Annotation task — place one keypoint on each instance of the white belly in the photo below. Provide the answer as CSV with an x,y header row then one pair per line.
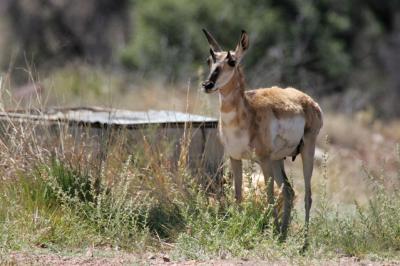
x,y
285,134
236,142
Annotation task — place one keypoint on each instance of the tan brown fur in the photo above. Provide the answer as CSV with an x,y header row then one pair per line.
x,y
254,109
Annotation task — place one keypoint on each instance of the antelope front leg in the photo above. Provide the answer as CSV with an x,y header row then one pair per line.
x,y
236,166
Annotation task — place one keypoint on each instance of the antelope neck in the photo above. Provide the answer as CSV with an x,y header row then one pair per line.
x,y
231,95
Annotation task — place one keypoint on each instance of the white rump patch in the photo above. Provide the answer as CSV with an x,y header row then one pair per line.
x,y
286,134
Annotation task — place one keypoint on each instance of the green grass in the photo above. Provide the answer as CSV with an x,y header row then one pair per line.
x,y
138,202
370,230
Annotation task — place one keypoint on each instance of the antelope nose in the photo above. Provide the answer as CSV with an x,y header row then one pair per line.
x,y
208,84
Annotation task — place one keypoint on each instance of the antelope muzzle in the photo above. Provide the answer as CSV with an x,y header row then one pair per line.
x,y
208,86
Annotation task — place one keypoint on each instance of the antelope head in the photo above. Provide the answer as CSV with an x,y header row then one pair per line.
x,y
223,64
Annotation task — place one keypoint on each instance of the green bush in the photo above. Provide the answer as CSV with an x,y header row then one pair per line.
x,y
292,42
233,230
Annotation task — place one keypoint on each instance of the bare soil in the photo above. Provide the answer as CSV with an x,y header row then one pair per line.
x,y
98,258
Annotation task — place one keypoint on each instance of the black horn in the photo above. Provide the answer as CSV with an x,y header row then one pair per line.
x,y
212,42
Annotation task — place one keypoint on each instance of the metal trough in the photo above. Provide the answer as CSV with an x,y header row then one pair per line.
x,y
104,126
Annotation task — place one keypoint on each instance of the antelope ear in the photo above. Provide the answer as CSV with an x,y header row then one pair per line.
x,y
242,46
212,42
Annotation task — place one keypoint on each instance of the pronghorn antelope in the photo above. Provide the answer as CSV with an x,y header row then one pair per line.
x,y
269,124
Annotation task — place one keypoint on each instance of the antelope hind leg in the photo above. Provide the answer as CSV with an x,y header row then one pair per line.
x,y
288,195
307,156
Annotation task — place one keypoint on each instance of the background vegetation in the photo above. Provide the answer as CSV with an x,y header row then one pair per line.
x,y
344,51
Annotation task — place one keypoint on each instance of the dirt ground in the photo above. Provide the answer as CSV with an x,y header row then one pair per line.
x,y
121,258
